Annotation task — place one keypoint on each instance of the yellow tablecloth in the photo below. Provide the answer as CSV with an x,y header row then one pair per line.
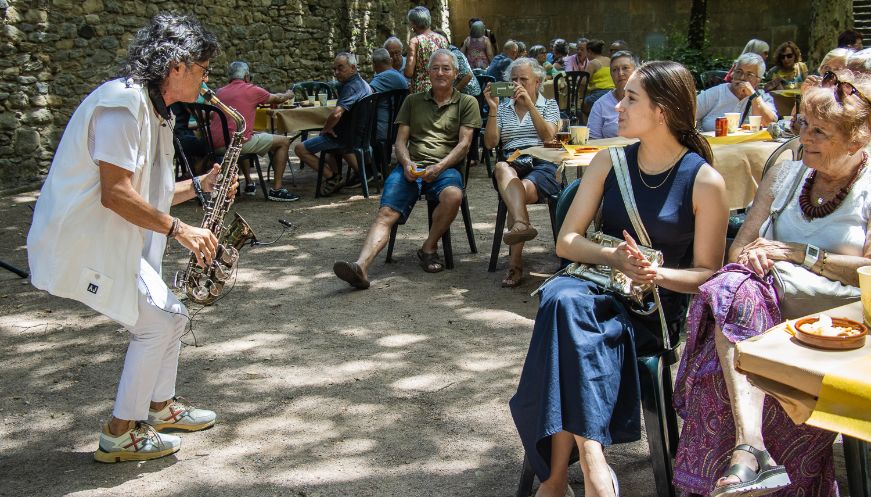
x,y
829,389
292,121
740,164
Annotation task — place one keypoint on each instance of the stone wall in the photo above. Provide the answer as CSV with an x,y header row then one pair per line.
x,y
640,22
54,52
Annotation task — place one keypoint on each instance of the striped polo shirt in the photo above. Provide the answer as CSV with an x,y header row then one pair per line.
x,y
516,133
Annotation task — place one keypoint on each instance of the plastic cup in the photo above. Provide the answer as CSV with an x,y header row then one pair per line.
x,y
580,134
322,98
733,118
865,288
311,99
755,123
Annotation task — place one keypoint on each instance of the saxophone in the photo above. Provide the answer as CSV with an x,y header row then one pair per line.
x,y
204,285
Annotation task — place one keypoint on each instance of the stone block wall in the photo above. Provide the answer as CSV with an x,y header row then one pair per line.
x,y
54,52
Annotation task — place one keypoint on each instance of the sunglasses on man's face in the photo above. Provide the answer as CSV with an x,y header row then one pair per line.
x,y
843,89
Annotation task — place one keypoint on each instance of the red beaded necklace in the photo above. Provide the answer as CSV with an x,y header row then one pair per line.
x,y
812,211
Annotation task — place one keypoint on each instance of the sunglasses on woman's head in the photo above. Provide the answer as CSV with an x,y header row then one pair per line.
x,y
843,89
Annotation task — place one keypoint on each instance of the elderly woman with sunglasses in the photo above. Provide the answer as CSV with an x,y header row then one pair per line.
x,y
739,95
804,261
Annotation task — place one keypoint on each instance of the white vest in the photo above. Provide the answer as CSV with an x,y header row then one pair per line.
x,y
79,249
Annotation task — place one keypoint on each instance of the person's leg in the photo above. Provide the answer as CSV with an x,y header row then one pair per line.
x,y
280,148
746,401
561,445
597,474
307,152
450,199
377,237
515,192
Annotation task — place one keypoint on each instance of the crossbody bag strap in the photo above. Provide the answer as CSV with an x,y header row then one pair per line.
x,y
621,171
775,213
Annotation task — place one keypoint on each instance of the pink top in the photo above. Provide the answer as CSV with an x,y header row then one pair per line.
x,y
571,63
244,97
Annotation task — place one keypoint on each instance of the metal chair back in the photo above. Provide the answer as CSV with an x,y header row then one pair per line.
x,y
793,146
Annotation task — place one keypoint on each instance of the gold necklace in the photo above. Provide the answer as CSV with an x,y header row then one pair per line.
x,y
671,168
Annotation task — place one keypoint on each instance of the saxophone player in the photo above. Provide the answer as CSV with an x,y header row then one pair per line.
x,y
102,222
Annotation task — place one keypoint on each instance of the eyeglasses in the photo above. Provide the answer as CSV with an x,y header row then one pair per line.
x,y
738,73
205,70
843,88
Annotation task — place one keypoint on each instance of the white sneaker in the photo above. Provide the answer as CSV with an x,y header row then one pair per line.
x,y
178,414
140,443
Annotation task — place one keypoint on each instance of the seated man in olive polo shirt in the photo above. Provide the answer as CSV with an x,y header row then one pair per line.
x,y
435,131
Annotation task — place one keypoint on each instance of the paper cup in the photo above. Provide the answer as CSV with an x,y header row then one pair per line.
x,y
322,98
865,288
733,118
755,123
311,99
580,134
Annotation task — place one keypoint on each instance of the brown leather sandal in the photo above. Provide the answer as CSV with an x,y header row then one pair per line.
x,y
520,232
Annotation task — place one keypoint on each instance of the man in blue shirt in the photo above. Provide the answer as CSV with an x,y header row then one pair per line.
x,y
501,62
386,79
351,89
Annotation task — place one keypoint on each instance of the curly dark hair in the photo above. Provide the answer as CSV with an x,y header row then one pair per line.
x,y
168,40
778,54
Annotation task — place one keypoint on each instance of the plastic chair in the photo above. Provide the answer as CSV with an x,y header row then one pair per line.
x,y
312,88
203,114
446,238
477,141
660,419
712,78
358,139
576,91
393,101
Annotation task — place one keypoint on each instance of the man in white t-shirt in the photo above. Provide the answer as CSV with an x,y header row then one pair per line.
x,y
102,221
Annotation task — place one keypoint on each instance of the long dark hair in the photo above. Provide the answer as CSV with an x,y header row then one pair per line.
x,y
671,87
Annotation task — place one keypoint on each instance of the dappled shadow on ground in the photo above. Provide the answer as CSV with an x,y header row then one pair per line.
x,y
400,390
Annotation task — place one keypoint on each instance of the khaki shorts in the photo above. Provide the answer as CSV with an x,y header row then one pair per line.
x,y
259,144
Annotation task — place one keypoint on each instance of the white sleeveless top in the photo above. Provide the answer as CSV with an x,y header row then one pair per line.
x,y
841,232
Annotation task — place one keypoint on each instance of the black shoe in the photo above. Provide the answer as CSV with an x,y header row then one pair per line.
x,y
250,189
355,181
282,195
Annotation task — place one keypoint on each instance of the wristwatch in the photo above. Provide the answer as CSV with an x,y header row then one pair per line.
x,y
811,255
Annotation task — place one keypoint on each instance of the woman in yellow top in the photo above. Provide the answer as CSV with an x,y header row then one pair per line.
x,y
599,67
789,71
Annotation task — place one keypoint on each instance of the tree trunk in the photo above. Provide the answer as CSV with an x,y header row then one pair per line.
x,y
698,19
828,19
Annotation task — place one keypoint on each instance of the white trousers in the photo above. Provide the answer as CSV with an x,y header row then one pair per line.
x,y
155,341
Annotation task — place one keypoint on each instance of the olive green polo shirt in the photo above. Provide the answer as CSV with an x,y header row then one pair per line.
x,y
435,131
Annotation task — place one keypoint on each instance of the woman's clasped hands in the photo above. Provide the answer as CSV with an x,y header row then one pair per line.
x,y
629,259
761,254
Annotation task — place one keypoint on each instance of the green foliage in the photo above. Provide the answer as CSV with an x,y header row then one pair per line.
x,y
677,48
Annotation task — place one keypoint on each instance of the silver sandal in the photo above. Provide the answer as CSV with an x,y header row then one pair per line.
x,y
765,480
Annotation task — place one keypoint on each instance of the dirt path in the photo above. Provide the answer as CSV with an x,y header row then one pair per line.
x,y
400,390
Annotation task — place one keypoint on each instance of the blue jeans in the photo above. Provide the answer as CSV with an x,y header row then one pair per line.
x,y
401,195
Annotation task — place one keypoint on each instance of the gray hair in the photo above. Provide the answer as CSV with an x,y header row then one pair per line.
x,y
351,58
533,65
167,41
444,51
755,46
477,29
625,53
860,61
419,17
380,56
509,45
393,39
751,58
238,70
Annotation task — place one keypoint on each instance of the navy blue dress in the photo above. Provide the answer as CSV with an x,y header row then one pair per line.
x,y
580,373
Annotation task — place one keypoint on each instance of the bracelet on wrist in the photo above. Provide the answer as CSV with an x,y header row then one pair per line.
x,y
823,262
173,228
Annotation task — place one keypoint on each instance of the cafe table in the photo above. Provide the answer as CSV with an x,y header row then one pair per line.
x,y
829,389
740,158
293,120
